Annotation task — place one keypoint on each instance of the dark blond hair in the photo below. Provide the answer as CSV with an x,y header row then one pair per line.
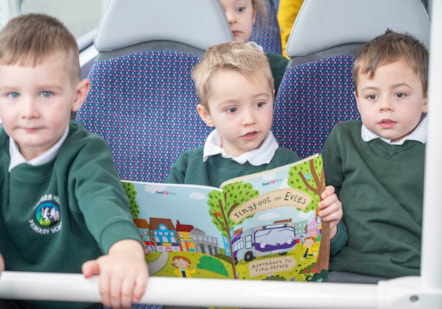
x,y
245,58
31,38
388,48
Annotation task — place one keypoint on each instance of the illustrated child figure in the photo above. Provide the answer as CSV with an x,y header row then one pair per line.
x,y
62,206
235,90
377,164
182,265
241,15
308,243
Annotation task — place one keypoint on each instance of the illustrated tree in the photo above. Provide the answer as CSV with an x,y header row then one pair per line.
x,y
222,204
310,178
132,194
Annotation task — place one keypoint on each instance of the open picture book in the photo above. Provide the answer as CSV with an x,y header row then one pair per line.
x,y
263,226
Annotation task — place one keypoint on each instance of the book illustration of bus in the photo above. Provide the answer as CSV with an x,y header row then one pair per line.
x,y
264,240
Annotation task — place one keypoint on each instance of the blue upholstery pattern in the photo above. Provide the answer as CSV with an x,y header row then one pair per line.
x,y
266,30
316,95
144,106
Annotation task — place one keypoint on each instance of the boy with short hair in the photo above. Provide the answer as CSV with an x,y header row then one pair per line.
x,y
377,164
62,206
235,90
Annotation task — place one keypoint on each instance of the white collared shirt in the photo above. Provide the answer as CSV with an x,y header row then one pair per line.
x,y
259,156
17,158
418,134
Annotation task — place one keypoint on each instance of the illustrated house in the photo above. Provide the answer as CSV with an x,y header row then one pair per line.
x,y
204,243
185,237
143,228
315,228
164,235
301,228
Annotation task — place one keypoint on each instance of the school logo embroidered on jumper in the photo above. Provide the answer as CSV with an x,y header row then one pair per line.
x,y
47,215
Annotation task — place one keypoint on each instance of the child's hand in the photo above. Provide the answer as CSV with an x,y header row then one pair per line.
x,y
331,209
122,274
2,264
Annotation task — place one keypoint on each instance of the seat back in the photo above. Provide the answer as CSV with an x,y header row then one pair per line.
x,y
142,99
316,91
266,29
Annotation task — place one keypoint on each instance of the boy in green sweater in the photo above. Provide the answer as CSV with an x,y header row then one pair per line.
x,y
62,206
377,164
235,90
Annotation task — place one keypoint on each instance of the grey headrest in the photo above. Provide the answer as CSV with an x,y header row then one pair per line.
x,y
323,24
196,23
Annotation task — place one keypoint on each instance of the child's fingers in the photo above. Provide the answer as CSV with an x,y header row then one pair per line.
x,y
329,190
104,287
2,264
90,268
140,288
117,291
127,292
328,200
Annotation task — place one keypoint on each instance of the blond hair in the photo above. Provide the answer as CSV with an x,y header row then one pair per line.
x,y
388,48
31,38
245,58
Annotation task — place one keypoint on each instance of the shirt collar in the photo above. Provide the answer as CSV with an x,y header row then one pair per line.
x,y
259,156
418,134
17,158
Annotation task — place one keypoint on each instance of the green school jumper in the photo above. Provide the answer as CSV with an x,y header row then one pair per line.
x,y
56,216
381,190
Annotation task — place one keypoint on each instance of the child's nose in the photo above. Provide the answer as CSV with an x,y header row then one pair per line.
x,y
29,109
230,17
248,117
386,104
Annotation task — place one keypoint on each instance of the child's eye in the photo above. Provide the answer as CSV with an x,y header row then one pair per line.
x,y
372,97
240,9
13,95
231,109
46,94
259,104
400,95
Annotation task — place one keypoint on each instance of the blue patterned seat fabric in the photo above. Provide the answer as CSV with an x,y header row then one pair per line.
x,y
316,95
266,30
144,106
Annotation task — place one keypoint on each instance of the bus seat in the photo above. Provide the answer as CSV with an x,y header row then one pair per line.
x,y
142,99
317,88
266,29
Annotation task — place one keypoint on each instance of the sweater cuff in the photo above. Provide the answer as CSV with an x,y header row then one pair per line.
x,y
340,239
119,231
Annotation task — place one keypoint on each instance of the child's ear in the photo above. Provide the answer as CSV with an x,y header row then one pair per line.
x,y
82,91
205,115
355,93
425,105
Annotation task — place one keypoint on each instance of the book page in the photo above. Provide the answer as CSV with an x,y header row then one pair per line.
x,y
263,226
276,230
179,237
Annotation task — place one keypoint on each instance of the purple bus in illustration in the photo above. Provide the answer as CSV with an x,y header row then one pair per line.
x,y
264,240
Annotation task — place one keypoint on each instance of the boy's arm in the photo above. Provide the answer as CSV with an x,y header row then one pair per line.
x,y
178,171
340,240
122,274
2,264
333,176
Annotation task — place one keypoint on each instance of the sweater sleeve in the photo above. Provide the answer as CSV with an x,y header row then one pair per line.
x,y
332,158
340,240
178,171
334,176
99,195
